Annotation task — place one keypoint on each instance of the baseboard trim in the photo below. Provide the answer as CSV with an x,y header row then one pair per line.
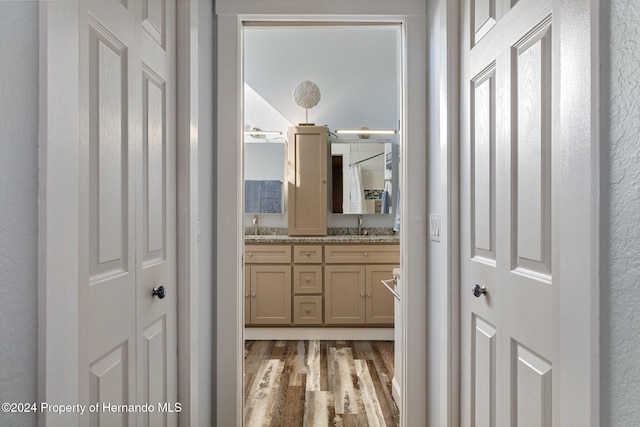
x,y
346,334
395,391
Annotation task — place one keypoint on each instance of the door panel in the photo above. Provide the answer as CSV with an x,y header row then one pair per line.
x,y
533,393
128,338
108,155
107,293
154,171
156,211
484,361
505,182
109,381
532,101
483,163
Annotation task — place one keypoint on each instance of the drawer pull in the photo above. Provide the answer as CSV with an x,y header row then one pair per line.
x,y
366,254
307,310
250,254
307,280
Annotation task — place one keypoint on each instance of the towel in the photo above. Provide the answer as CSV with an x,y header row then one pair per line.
x,y
263,196
386,198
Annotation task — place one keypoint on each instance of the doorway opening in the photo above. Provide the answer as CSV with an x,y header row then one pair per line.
x,y
358,67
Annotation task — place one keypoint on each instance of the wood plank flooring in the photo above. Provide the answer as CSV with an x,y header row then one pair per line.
x,y
318,384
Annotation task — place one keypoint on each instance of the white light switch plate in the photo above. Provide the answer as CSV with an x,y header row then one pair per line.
x,y
434,227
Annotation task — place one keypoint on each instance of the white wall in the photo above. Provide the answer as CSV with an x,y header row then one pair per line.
x,y
264,161
207,62
620,215
355,68
18,206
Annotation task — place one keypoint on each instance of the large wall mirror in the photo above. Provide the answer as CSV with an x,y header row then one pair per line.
x,y
357,69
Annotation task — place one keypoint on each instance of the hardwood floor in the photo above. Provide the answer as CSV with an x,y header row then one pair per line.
x,y
318,384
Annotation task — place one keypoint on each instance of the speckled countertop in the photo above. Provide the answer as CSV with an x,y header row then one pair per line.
x,y
334,235
321,239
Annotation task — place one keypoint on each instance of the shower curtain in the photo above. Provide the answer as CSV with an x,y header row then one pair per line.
x,y
356,192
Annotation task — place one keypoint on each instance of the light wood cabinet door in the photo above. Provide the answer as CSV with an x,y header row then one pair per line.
x,y
270,294
344,294
379,301
247,295
307,180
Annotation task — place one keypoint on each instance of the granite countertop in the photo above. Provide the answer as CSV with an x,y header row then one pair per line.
x,y
322,239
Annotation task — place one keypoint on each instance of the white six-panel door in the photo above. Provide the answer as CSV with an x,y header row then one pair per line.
x,y
128,337
506,181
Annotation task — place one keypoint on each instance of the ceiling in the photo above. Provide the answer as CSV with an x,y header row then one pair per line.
x,y
357,69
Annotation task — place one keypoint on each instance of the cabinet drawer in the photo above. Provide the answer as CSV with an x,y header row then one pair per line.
x,y
267,254
307,310
307,279
309,254
367,254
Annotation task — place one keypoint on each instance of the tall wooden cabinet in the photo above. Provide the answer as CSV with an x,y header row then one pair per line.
x,y
307,180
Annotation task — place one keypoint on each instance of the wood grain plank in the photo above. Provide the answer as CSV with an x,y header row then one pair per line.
x,y
262,397
385,398
295,383
344,393
313,366
372,406
318,409
324,375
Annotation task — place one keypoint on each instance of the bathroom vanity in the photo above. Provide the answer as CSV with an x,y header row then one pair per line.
x,y
325,281
303,273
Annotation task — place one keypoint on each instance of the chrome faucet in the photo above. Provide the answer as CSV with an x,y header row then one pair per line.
x,y
255,225
359,225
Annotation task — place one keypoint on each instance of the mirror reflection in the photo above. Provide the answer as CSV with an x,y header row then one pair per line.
x,y
356,69
362,177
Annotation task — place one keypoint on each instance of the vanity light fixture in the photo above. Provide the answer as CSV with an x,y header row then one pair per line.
x,y
258,133
263,132
366,131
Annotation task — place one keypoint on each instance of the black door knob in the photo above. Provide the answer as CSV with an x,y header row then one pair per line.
x,y
159,292
478,290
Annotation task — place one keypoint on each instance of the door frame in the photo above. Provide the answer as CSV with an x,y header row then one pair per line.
x,y
231,15
59,201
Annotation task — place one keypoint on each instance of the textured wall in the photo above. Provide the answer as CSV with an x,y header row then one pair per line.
x,y
18,206
620,215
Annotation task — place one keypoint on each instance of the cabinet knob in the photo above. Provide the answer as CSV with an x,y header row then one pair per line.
x,y
369,295
250,254
324,181
246,295
307,310
253,295
366,254
362,294
307,280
